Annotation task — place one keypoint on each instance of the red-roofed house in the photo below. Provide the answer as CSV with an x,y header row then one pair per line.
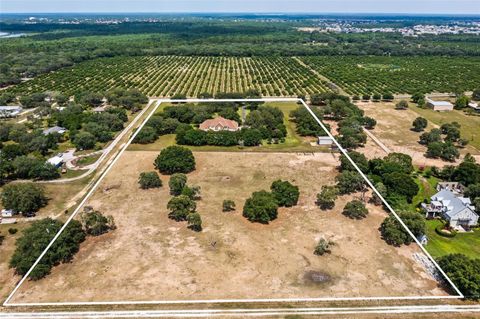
x,y
219,124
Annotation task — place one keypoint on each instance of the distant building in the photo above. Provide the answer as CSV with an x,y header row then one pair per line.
x,y
10,111
99,109
439,105
55,129
325,140
219,124
458,211
56,161
474,106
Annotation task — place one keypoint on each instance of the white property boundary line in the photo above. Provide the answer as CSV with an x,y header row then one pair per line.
x,y
159,101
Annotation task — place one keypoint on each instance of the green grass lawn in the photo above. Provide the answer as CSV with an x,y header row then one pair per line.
x,y
73,173
293,141
427,189
84,161
463,243
470,129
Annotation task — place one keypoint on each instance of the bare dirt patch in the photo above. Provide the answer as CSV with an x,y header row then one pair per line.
x,y
150,257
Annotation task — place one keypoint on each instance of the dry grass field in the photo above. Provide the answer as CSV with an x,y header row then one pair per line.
x,y
394,130
150,257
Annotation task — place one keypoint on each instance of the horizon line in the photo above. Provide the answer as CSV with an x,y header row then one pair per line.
x,y
251,13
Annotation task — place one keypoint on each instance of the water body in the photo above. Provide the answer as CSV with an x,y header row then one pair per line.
x,y
6,35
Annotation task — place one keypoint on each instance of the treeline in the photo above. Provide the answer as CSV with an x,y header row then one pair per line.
x,y
261,123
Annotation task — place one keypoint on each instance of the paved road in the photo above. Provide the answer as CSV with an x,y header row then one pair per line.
x,y
435,310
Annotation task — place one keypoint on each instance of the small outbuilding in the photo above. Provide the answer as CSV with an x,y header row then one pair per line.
x,y
56,161
324,141
56,129
439,105
10,111
474,106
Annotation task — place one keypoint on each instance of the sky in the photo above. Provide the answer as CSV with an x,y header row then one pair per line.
x,y
259,6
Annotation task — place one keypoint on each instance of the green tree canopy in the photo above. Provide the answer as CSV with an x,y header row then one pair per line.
x,y
285,193
36,238
327,197
23,197
261,207
175,159
395,234
95,223
355,209
464,272
349,182
177,183
180,207
149,180
419,124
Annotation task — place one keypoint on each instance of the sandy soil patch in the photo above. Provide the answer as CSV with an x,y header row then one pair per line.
x,y
150,257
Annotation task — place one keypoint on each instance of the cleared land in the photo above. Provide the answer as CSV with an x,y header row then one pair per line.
x,y
394,130
470,129
150,257
368,74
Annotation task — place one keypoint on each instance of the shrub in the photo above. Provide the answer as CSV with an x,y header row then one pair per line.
x,y
323,246
149,180
194,221
95,223
440,230
285,193
327,197
12,231
402,105
419,124
175,159
261,207
193,192
228,205
369,122
355,210
180,207
176,183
